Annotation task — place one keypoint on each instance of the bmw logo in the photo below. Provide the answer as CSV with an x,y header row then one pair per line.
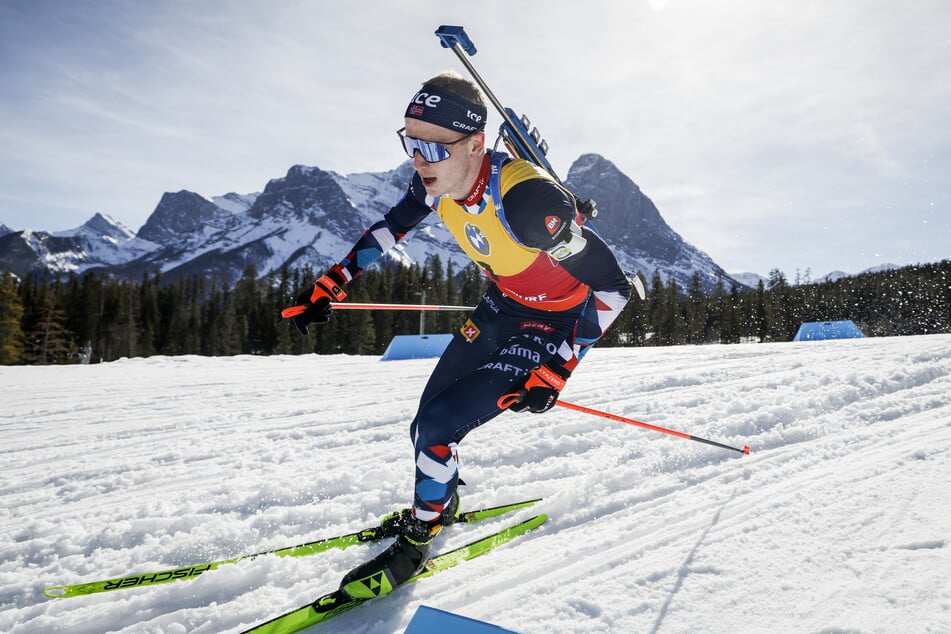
x,y
477,239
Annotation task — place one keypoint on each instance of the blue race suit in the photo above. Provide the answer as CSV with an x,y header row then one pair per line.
x,y
556,288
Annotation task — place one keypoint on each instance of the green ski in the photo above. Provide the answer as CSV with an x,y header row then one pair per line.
x,y
337,602
301,550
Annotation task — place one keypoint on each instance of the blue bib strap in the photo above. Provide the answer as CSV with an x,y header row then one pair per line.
x,y
495,188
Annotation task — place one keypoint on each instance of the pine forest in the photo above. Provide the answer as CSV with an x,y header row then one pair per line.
x,y
96,318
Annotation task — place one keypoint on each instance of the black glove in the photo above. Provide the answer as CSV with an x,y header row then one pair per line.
x,y
539,391
313,305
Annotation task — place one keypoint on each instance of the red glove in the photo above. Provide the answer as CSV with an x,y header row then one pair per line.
x,y
538,392
313,305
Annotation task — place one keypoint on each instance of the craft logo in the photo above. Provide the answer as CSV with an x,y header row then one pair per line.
x,y
477,239
552,223
469,331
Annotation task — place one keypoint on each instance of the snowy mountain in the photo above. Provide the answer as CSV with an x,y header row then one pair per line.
x,y
751,280
835,276
630,222
312,217
102,242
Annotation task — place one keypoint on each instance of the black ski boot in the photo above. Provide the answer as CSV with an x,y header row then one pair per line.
x,y
397,564
396,523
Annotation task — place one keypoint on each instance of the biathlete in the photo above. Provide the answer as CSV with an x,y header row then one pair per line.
x,y
555,289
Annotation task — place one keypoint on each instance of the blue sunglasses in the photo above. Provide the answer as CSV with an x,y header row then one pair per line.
x,y
431,151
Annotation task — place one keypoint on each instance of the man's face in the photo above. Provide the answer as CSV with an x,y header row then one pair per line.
x,y
456,175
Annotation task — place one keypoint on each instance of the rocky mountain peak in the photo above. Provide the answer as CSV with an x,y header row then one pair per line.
x,y
103,225
180,214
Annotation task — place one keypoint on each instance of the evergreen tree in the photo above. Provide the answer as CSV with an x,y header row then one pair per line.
x,y
472,285
450,321
637,325
49,341
247,305
656,308
282,298
148,314
780,307
11,312
759,316
696,311
670,324
361,337
729,317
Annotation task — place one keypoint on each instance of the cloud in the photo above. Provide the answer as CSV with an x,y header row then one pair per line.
x,y
736,117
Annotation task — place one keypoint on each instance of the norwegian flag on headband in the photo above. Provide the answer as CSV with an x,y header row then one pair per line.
x,y
442,107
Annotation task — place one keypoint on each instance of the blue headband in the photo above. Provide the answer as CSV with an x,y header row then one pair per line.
x,y
440,107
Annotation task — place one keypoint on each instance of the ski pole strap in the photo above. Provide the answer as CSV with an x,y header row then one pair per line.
x,y
292,311
507,400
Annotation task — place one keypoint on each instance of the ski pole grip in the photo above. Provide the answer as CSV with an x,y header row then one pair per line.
x,y
449,36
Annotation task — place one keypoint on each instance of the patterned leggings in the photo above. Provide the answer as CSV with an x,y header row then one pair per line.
x,y
500,343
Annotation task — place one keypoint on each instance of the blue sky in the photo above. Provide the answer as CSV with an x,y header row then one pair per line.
x,y
792,135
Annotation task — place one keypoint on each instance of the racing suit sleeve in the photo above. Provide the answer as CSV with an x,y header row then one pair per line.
x,y
597,267
382,235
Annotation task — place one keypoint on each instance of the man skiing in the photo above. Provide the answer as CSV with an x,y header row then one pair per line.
x,y
555,289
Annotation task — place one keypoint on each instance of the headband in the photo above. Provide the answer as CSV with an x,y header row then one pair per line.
x,y
447,110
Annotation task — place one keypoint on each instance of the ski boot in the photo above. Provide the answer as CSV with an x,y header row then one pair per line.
x,y
394,524
404,559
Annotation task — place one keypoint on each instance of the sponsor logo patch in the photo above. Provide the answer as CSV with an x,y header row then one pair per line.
x,y
469,331
553,224
477,239
536,325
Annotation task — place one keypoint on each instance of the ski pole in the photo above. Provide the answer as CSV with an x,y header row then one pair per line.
x,y
630,421
293,311
359,306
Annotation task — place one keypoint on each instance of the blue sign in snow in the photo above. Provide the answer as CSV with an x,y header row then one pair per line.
x,y
416,347
820,330
429,620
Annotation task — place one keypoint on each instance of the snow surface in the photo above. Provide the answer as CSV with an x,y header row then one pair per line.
x,y
838,522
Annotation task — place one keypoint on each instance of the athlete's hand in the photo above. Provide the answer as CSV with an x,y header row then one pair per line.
x,y
312,306
538,392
